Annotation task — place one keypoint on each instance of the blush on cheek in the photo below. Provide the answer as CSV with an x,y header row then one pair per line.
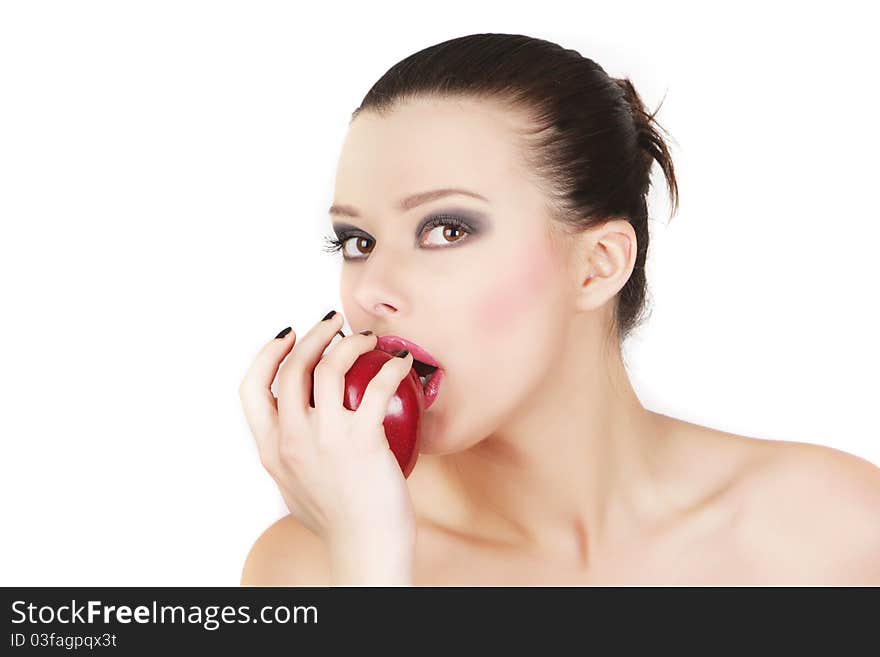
x,y
515,294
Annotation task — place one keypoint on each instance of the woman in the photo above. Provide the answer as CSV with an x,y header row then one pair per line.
x,y
538,465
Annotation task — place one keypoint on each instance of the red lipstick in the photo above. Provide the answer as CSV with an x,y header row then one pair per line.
x,y
394,343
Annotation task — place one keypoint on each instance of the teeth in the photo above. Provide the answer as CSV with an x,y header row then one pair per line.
x,y
425,378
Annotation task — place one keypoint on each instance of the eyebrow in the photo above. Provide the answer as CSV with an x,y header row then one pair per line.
x,y
410,201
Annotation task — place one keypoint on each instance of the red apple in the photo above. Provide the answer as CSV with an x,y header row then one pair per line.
x,y
403,418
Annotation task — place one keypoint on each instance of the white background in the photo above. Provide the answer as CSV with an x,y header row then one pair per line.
x,y
165,171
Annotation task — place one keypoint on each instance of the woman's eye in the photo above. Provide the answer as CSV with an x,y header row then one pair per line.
x,y
357,242
446,233
444,229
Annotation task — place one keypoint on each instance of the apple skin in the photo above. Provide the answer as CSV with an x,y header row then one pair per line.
x,y
403,419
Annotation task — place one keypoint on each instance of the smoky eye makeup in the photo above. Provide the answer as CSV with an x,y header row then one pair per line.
x,y
468,221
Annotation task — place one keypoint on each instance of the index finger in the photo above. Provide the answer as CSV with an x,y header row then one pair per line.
x,y
260,405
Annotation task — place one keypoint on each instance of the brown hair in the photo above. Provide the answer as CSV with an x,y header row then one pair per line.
x,y
592,146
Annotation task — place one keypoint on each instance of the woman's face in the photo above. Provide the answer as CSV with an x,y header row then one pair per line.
x,y
489,300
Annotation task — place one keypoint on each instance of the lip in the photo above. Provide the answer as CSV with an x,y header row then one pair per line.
x,y
433,388
394,343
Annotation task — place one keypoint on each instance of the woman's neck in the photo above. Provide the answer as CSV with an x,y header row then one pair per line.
x,y
570,472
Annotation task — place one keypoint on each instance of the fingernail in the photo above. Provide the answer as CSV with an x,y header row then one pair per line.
x,y
328,315
340,333
284,332
402,353
366,333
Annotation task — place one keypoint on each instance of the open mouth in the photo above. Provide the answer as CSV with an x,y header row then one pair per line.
x,y
431,378
428,370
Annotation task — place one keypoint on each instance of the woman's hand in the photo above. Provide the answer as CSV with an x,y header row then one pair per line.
x,y
334,467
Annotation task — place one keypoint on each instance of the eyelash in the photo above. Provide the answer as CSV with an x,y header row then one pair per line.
x,y
337,243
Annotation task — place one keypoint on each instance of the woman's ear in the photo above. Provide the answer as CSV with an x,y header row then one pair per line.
x,y
607,256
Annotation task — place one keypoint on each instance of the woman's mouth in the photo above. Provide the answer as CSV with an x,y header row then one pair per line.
x,y
428,370
431,377
431,386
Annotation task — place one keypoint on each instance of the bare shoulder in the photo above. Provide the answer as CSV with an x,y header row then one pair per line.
x,y
812,514
287,554
794,513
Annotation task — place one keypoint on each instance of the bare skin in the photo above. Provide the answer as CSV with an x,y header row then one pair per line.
x,y
538,463
769,513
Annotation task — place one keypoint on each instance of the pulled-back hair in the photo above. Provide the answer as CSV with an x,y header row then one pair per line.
x,y
592,145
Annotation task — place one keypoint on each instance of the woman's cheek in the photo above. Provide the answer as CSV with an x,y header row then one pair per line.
x,y
516,293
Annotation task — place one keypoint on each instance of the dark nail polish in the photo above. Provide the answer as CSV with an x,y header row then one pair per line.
x,y
366,333
340,333
402,353
328,315
284,332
